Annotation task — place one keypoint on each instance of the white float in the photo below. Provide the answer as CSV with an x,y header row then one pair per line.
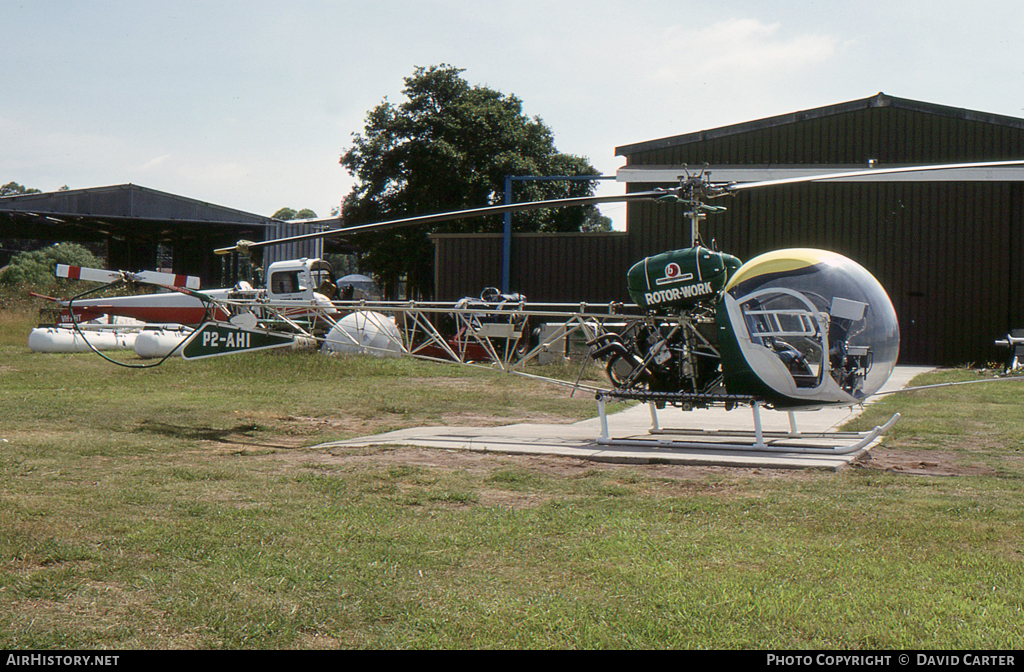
x,y
63,339
154,343
365,332
118,333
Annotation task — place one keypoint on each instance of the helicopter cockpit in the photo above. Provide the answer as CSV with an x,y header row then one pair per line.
x,y
812,325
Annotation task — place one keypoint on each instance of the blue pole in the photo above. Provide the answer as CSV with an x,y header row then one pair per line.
x,y
506,248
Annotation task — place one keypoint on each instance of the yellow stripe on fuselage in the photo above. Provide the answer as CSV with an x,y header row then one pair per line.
x,y
780,261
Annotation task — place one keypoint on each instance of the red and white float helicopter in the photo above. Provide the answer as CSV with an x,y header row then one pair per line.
x,y
793,329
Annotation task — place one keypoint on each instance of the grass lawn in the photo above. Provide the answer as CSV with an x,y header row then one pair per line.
x,y
183,507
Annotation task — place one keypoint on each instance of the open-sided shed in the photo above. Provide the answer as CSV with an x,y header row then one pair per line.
x,y
135,221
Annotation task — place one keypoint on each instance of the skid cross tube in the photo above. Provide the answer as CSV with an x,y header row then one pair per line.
x,y
793,441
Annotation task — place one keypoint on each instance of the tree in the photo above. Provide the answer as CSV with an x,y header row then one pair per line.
x,y
286,214
449,146
37,267
595,222
15,189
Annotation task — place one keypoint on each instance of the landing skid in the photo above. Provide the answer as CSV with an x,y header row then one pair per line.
x,y
794,441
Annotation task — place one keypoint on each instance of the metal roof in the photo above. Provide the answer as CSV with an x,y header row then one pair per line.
x,y
134,221
125,202
878,100
667,174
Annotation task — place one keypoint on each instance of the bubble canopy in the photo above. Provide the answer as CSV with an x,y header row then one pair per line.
x,y
813,326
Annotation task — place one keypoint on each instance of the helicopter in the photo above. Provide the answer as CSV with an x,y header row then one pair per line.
x,y
794,328
791,329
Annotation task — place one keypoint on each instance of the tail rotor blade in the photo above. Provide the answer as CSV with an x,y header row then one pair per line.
x,y
167,279
148,277
89,274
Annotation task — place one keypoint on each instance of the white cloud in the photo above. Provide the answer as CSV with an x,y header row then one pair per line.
x,y
737,48
155,162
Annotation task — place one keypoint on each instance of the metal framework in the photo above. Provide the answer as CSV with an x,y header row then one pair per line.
x,y
507,339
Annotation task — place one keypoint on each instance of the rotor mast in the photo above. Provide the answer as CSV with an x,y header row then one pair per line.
x,y
695,216
691,190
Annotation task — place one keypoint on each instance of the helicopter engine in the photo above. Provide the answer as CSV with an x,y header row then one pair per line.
x,y
674,349
663,355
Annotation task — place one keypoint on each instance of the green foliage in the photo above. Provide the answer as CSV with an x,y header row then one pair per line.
x,y
595,222
449,146
15,189
286,214
37,267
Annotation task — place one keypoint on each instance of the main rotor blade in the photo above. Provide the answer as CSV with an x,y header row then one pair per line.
x,y
741,186
447,217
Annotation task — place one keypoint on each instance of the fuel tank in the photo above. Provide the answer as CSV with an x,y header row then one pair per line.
x,y
680,278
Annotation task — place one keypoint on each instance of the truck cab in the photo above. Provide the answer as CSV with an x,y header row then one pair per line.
x,y
305,280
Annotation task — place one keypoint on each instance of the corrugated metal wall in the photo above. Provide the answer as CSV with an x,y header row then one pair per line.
x,y
558,268
465,264
308,249
948,254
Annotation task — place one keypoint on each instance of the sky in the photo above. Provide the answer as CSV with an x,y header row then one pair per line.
x,y
250,104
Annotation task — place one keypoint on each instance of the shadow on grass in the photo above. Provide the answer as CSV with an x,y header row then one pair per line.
x,y
241,435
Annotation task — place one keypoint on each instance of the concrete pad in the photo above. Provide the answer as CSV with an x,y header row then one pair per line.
x,y
711,439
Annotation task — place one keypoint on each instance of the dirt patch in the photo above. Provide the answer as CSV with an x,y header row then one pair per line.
x,y
921,463
289,434
486,420
505,499
291,431
686,479
448,460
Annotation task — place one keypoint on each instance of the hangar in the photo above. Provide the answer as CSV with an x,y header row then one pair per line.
x,y
946,246
138,223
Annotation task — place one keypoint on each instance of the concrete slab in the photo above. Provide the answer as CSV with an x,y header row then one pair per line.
x,y
695,446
